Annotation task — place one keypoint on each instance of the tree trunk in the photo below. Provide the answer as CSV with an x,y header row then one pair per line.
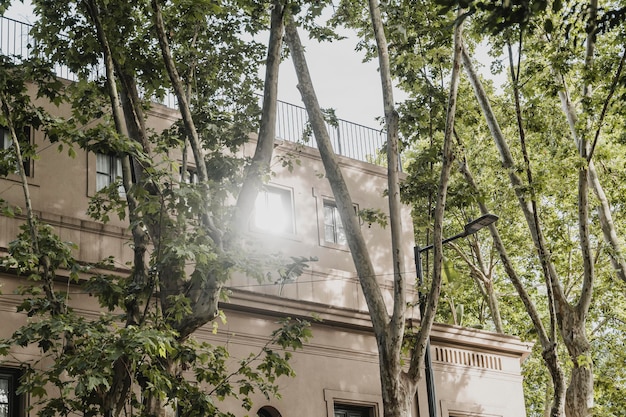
x,y
571,320
397,393
398,387
547,339
192,133
419,350
356,242
494,307
115,398
607,225
156,405
579,395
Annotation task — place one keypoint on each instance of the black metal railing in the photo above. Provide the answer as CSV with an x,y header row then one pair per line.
x,y
15,39
349,139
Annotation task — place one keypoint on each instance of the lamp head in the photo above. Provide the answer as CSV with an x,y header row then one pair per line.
x,y
477,224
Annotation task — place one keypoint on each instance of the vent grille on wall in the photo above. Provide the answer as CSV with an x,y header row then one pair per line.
x,y
462,357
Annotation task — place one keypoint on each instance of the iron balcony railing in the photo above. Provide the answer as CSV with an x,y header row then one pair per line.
x,y
17,42
15,37
348,139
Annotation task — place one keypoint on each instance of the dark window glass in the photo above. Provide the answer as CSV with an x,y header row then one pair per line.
x,y
108,169
9,400
352,411
6,145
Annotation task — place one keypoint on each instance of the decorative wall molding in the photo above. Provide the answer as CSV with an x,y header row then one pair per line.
x,y
467,358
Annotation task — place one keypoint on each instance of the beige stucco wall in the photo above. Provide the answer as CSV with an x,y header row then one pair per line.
x,y
477,373
480,377
61,185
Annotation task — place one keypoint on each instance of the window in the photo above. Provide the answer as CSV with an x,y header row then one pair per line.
x,y
352,404
6,144
273,211
108,168
467,409
9,400
352,411
191,176
268,411
333,228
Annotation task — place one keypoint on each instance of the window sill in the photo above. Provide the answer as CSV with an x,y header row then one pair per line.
x,y
16,178
336,246
265,235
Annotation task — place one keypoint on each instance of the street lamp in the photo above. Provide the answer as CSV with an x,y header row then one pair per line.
x,y
469,229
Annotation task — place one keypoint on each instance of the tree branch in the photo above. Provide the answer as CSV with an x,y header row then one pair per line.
x,y
393,185
185,110
261,160
356,242
550,275
548,344
605,106
417,353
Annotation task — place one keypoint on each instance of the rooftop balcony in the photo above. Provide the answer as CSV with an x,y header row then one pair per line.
x,y
349,139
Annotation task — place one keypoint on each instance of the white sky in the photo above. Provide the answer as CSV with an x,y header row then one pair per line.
x,y
341,80
21,11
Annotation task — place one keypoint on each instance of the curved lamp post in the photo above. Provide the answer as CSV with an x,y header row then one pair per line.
x,y
469,229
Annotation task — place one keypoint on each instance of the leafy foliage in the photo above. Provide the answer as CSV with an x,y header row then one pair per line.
x,y
549,38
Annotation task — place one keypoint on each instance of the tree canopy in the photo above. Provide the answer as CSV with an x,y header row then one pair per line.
x,y
545,151
186,236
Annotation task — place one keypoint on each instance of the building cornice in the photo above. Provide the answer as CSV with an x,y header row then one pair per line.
x,y
441,334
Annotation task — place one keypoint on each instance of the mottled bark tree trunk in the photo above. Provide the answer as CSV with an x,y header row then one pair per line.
x,y
579,394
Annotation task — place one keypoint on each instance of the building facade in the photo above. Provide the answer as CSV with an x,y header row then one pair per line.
x,y
476,373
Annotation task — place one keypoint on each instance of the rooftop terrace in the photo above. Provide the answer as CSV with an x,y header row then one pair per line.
x,y
349,139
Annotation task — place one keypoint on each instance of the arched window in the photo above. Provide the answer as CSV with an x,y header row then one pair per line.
x,y
268,411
